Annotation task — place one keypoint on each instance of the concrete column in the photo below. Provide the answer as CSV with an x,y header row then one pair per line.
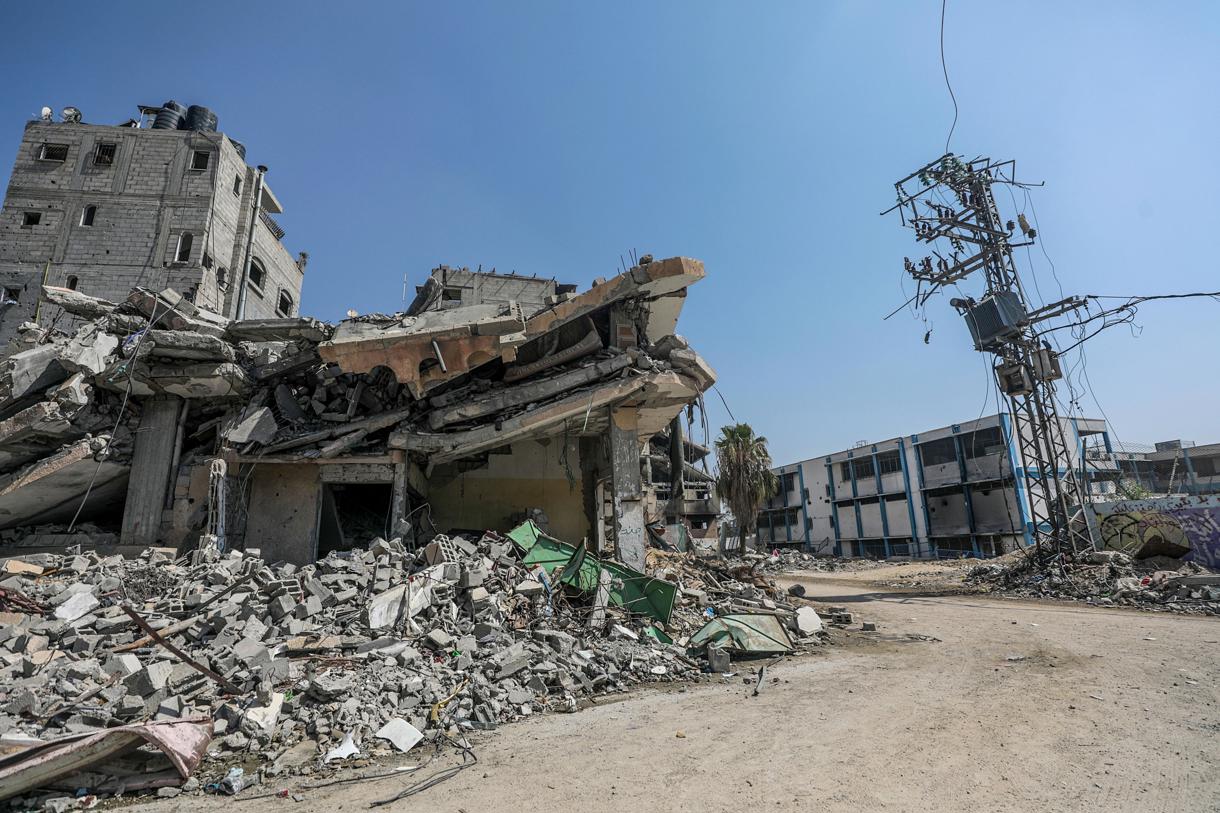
x,y
150,470
677,476
400,501
629,533
592,465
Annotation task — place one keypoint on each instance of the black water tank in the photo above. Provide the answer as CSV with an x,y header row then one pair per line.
x,y
169,117
200,119
240,147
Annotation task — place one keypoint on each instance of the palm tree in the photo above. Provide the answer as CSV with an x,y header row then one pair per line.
x,y
744,478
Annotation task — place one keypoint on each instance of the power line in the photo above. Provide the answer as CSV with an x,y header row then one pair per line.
x,y
945,71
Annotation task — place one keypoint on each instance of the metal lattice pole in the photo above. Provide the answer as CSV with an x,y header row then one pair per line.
x,y
950,206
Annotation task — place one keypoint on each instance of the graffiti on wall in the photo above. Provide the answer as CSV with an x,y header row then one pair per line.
x,y
1173,526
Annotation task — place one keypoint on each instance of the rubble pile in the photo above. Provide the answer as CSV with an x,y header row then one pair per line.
x,y
291,663
1105,577
712,586
786,561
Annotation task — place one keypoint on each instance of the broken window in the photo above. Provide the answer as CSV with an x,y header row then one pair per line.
x,y
71,282
258,274
183,253
53,152
206,262
284,306
938,452
103,154
862,468
889,462
983,442
200,159
12,294
31,218
237,185
87,215
222,277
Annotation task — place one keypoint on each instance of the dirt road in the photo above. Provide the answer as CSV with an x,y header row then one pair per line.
x,y
1017,707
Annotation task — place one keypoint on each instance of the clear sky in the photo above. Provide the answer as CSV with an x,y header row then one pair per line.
x,y
762,138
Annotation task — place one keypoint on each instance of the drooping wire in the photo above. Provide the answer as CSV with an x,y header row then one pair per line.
x,y
945,70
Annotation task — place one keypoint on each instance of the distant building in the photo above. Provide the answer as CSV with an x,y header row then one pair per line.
x,y
946,492
1168,467
101,209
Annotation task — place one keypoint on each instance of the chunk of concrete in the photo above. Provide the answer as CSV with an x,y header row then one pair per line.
x,y
401,734
76,606
258,426
150,679
808,622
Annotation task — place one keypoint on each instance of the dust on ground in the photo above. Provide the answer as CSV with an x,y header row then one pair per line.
x,y
957,703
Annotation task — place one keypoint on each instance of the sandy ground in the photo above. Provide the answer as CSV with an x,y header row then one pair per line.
x,y
1016,706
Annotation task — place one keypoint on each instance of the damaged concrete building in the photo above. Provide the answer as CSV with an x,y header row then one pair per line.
x,y
161,201
493,398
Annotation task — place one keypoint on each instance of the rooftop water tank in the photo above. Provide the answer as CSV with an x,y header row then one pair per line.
x,y
169,117
200,119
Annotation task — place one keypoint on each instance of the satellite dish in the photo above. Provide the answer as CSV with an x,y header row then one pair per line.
x,y
71,115
46,113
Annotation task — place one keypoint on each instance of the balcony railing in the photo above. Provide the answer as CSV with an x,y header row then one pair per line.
x,y
271,225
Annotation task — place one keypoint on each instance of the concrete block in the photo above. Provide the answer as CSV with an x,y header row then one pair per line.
x,y
150,679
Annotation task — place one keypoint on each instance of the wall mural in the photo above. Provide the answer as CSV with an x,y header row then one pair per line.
x,y
1173,526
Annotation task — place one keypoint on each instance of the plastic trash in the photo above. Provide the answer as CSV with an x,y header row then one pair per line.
x,y
343,750
233,782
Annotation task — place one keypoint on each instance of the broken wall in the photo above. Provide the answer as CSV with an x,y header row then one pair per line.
x,y
282,512
543,474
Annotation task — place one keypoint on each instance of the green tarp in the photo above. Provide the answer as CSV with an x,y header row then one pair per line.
x,y
744,632
629,588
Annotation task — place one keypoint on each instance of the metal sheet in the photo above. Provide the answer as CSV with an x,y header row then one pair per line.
x,y
629,589
183,742
744,632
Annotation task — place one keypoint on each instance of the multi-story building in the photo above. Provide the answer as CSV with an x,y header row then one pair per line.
x,y
954,491
1168,467
101,209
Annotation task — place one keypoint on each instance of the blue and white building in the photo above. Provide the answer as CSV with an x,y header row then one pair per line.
x,y
946,492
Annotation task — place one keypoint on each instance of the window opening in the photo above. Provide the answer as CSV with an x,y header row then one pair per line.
x,y
31,218
185,241
199,161
103,154
87,214
53,152
257,273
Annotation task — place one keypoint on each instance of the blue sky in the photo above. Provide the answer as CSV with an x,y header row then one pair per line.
x,y
763,139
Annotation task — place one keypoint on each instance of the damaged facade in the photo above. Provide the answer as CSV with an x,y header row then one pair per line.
x,y
945,492
492,399
102,209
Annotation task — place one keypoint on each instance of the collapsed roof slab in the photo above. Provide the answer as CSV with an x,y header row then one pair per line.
x,y
659,280
451,343
51,490
528,392
658,396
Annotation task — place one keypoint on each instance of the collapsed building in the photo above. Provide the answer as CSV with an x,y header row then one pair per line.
x,y
492,399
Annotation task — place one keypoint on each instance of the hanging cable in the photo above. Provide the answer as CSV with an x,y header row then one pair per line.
x,y
945,70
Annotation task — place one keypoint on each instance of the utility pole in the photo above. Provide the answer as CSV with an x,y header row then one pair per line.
x,y
950,206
